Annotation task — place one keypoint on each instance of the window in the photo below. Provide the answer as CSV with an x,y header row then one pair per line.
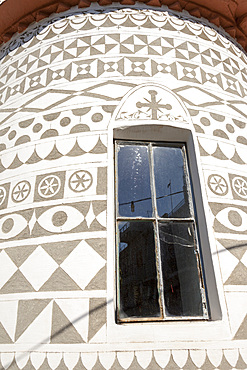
x,y
159,273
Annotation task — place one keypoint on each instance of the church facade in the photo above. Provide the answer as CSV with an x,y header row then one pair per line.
x,y
75,86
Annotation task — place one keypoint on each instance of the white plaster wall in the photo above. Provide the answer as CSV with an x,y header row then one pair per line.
x,y
65,85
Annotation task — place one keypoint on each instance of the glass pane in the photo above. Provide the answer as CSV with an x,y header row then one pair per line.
x,y
134,193
180,269
170,182
137,270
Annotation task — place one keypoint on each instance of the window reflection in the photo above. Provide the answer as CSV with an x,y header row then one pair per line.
x,y
180,269
137,270
134,192
170,183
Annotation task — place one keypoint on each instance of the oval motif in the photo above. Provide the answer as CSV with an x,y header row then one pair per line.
x,y
233,218
12,225
60,219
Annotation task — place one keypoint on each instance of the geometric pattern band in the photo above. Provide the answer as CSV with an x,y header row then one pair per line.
x,y
141,359
53,186
125,19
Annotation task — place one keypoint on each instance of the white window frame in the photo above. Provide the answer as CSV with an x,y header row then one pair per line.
x,y
165,331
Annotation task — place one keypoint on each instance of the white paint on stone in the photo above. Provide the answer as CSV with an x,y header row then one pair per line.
x,y
54,359
39,330
8,316
6,359
180,357
107,359
144,358
21,359
8,268
38,267
198,357
232,356
83,258
89,359
215,356
76,310
236,303
37,359
125,358
162,357
100,336
114,84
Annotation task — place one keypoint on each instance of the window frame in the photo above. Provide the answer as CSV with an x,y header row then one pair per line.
x,y
166,332
157,221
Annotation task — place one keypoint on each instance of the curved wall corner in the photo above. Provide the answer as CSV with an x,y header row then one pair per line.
x,y
64,86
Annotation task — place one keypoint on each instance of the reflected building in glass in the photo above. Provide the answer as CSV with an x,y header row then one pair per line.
x,y
123,184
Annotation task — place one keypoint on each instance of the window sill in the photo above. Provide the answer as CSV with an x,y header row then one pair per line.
x,y
166,331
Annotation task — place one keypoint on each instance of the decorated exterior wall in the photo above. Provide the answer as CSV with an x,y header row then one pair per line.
x,y
65,85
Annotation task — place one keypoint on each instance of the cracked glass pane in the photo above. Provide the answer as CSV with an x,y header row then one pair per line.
x,y
180,270
137,270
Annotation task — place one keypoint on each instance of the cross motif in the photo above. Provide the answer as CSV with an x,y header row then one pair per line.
x,y
153,104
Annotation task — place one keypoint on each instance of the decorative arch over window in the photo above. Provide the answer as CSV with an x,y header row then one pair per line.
x,y
152,102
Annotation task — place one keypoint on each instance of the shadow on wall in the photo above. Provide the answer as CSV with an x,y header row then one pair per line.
x,y
65,327
231,247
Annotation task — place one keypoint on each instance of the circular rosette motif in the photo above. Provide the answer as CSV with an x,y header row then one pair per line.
x,y
80,181
217,184
2,194
21,191
49,186
240,187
